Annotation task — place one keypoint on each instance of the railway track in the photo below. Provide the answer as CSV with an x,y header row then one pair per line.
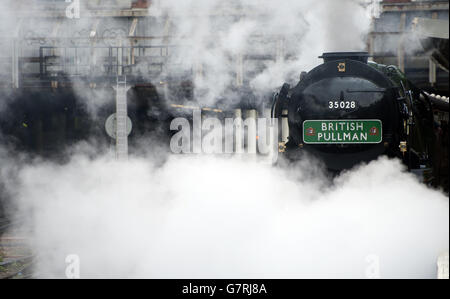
x,y
16,259
4,225
19,267
7,224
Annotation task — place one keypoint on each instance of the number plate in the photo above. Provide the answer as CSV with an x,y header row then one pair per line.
x,y
342,131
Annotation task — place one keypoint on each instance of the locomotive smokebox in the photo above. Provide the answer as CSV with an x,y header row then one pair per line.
x,y
348,110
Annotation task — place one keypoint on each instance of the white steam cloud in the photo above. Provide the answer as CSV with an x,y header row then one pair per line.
x,y
274,41
200,217
294,33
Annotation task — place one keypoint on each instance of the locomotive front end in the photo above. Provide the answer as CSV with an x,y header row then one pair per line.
x,y
344,112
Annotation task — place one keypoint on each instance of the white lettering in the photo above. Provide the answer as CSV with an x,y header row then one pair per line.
x,y
181,141
359,126
73,10
212,141
73,269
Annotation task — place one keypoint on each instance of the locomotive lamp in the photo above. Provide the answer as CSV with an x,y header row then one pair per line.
x,y
282,147
403,147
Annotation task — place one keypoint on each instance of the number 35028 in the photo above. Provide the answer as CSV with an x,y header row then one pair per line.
x,y
342,105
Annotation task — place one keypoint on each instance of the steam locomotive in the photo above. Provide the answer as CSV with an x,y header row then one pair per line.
x,y
349,110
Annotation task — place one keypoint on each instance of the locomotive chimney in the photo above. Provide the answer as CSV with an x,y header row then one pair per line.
x,y
358,56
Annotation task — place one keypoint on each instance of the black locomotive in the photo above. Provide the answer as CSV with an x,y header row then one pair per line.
x,y
348,110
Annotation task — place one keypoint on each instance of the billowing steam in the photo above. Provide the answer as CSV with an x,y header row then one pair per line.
x,y
223,44
292,34
200,217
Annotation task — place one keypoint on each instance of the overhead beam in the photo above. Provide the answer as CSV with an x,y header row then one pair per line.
x,y
431,27
415,6
151,12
